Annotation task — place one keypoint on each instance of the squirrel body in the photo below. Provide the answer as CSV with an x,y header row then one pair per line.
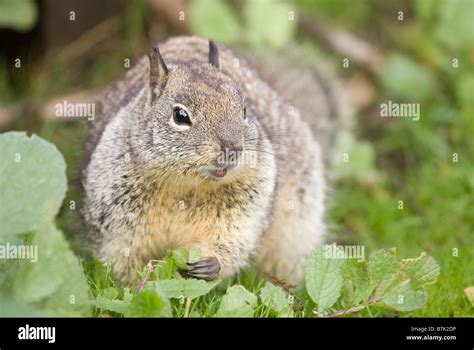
x,y
158,176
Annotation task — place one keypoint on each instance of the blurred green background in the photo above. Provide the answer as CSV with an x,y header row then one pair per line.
x,y
407,51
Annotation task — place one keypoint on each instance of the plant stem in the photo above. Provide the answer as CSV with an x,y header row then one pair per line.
x,y
187,307
355,309
149,270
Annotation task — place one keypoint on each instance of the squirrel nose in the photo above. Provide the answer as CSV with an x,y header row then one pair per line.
x,y
230,153
231,147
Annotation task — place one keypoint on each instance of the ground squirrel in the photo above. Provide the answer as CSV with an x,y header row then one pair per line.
x,y
193,149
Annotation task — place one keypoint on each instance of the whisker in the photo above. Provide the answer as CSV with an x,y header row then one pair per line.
x,y
266,152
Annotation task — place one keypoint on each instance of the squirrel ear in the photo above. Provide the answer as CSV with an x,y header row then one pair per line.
x,y
213,54
158,69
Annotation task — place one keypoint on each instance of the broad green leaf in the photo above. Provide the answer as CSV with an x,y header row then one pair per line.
x,y
276,299
323,279
56,282
360,164
403,298
269,22
188,288
382,267
194,255
179,257
182,256
149,303
37,280
455,28
71,298
214,19
8,270
422,271
9,307
357,280
115,305
237,302
405,78
19,15
32,182
385,281
395,287
107,300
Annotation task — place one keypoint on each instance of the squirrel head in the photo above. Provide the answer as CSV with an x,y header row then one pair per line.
x,y
197,121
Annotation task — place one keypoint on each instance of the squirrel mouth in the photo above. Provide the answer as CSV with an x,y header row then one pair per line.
x,y
219,173
215,172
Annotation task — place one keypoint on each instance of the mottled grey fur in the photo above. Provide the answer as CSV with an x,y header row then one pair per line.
x,y
144,190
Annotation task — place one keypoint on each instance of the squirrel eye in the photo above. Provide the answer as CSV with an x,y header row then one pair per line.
x,y
245,113
180,116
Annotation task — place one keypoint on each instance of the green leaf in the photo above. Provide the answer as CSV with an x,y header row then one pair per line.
x,y
403,298
9,307
149,303
275,298
357,280
396,280
237,302
37,280
187,288
361,158
267,22
182,256
179,258
32,182
384,281
405,78
118,306
422,271
107,300
454,28
56,282
382,267
19,15
194,255
214,19
324,279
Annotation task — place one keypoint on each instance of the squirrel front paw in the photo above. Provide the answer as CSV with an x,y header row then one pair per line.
x,y
205,269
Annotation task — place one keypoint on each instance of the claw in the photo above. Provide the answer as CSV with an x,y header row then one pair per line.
x,y
206,269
